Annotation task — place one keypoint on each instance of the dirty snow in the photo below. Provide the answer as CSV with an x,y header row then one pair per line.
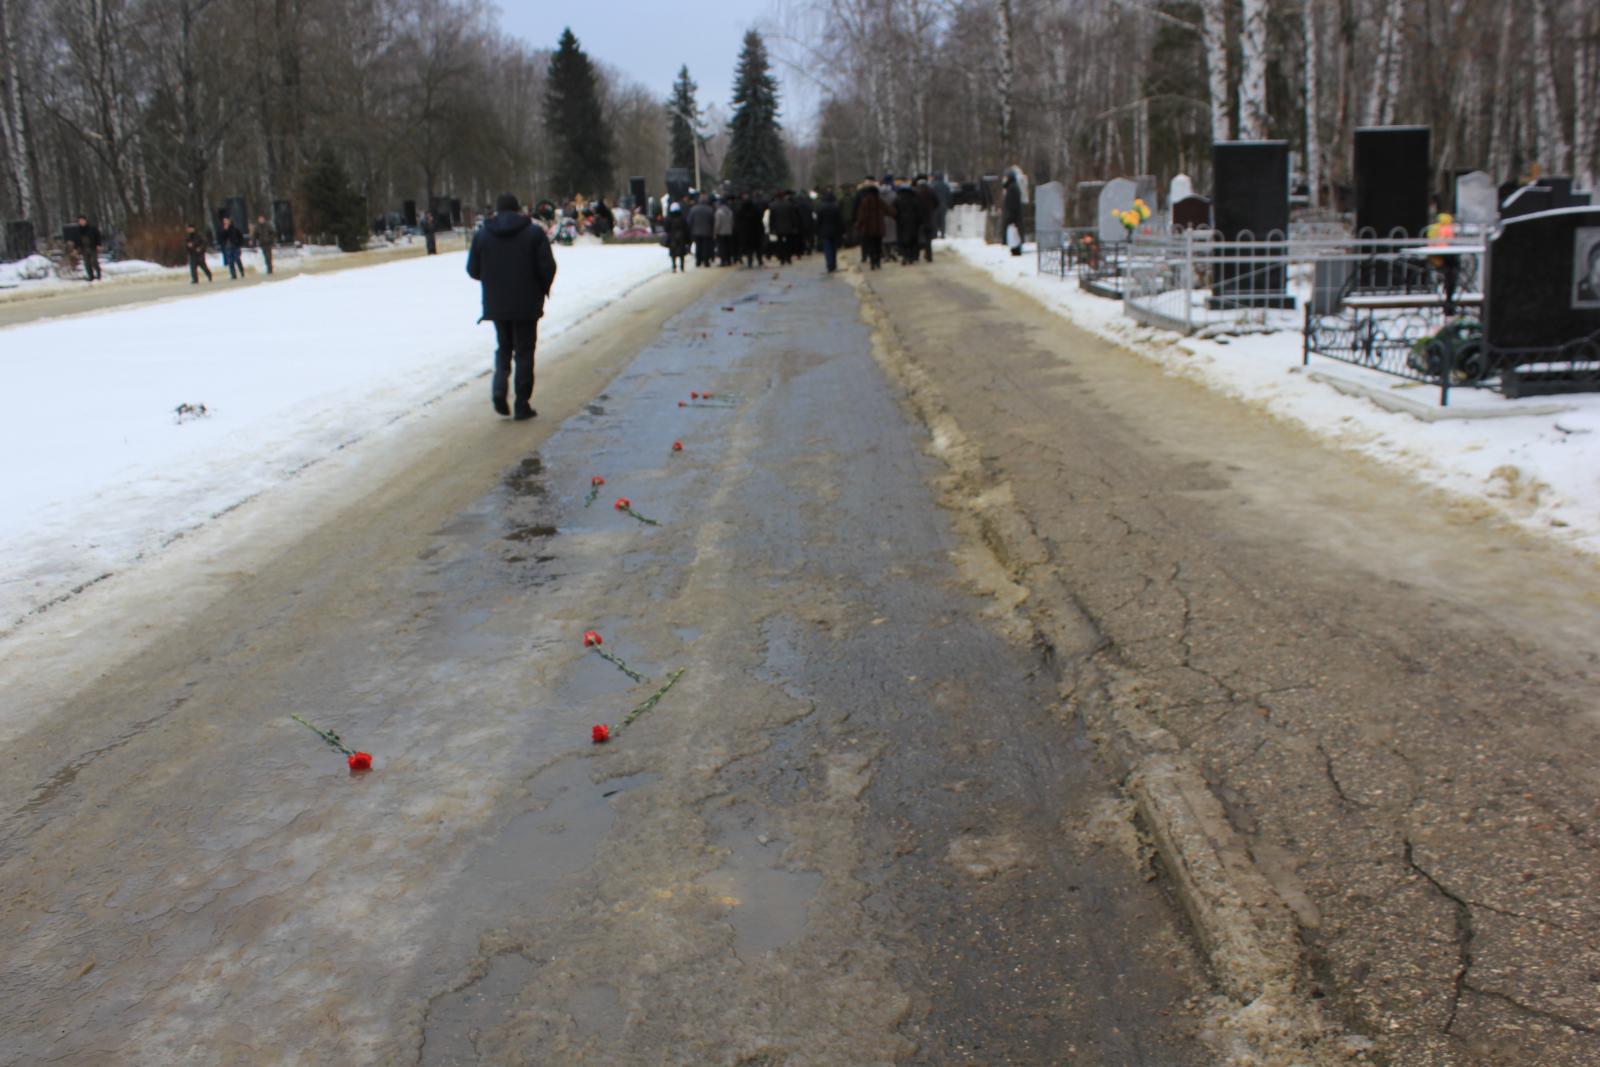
x,y
1541,470
100,470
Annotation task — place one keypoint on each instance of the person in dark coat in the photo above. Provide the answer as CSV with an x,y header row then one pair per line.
x,y
783,221
908,222
676,230
749,235
195,246
941,189
703,231
1011,213
808,225
511,258
266,236
429,242
230,242
830,229
89,247
930,214
870,215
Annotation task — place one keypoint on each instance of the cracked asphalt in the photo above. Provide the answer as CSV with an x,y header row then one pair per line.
x,y
1393,694
863,828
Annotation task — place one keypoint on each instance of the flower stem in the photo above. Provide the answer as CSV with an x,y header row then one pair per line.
x,y
327,735
641,518
618,664
593,494
655,698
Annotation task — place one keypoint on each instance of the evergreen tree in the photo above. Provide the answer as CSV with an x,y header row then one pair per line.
x,y
680,104
756,157
580,140
333,207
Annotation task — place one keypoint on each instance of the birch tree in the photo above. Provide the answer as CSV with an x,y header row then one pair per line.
x,y
1253,116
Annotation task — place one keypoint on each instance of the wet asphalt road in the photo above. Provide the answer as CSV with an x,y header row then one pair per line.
x,y
859,830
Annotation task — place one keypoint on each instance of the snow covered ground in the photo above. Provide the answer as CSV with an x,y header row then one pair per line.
x,y
1542,470
99,470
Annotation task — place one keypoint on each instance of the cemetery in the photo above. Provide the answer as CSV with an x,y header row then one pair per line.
x,y
1481,286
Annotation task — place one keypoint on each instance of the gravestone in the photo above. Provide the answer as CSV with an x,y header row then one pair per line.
x,y
283,219
636,190
1049,214
1180,188
1528,200
1543,292
677,183
1392,175
20,243
1116,195
442,219
408,208
236,209
1086,205
1146,191
1475,200
1191,213
1250,202
455,211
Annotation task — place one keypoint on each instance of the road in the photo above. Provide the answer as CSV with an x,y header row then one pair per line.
x,y
863,828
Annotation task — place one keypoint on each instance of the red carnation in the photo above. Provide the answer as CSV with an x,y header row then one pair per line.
x,y
683,404
591,638
597,480
623,503
705,396
601,733
360,761
677,446
694,395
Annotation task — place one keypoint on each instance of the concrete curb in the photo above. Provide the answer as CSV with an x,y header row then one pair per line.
x,y
1248,935
1430,411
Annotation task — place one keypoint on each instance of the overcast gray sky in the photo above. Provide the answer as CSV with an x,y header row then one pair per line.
x,y
650,42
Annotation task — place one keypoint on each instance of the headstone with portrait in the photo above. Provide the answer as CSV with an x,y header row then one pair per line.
x,y
1542,301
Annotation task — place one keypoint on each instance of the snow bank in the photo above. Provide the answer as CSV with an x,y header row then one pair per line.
x,y
99,468
1541,470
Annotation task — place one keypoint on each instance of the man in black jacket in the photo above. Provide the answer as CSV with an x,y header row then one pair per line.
x,y
511,257
830,229
89,246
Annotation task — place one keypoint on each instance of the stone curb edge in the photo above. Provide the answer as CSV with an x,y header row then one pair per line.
x,y
1247,933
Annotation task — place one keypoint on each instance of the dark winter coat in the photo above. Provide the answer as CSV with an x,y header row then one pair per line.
x,y
908,218
930,203
266,235
702,221
1012,213
677,231
871,212
783,218
511,257
747,232
194,244
830,219
88,237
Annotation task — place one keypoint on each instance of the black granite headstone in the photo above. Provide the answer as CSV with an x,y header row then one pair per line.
x,y
1543,293
1191,213
442,218
408,208
1528,200
1250,202
637,191
455,211
1560,190
1392,177
236,209
678,182
20,243
283,219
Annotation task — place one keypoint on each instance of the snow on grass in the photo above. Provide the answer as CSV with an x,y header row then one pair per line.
x,y
1541,470
100,470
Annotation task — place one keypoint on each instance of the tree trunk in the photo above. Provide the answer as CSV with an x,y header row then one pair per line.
x,y
1586,113
12,122
1007,71
1254,122
1550,138
1214,37
1313,38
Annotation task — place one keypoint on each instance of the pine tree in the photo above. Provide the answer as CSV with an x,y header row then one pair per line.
x,y
580,140
681,103
333,207
756,157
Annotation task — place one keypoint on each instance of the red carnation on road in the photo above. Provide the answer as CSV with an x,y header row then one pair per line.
x,y
693,395
592,641
594,490
677,446
625,506
360,761
601,733
597,480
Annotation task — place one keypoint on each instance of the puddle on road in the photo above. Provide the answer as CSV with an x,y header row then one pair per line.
x,y
456,1020
766,901
531,533
526,479
536,848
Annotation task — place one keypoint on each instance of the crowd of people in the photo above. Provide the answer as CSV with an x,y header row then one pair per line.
x,y
887,217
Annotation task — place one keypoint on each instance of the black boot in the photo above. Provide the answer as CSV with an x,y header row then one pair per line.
x,y
501,407
524,411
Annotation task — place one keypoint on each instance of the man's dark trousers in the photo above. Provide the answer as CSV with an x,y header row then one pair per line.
x,y
516,340
91,263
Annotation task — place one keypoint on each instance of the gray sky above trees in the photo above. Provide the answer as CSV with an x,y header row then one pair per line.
x,y
649,42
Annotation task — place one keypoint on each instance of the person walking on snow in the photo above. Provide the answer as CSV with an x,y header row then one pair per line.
x,y
676,236
703,231
1011,215
266,236
830,229
195,245
724,231
229,242
511,259
89,247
